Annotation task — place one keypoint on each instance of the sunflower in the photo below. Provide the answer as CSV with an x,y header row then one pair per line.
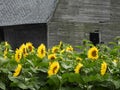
x,y
5,53
41,51
78,59
17,70
6,50
24,50
69,48
6,43
93,53
54,68
18,55
55,49
78,67
103,68
29,47
52,56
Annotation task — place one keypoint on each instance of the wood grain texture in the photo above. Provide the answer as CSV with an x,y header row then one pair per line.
x,y
73,21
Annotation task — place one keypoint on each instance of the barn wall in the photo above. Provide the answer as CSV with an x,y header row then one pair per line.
x,y
73,20
19,34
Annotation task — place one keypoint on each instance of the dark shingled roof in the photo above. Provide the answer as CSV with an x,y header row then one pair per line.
x,y
13,12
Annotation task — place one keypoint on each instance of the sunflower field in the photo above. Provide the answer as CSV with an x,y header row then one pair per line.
x,y
60,67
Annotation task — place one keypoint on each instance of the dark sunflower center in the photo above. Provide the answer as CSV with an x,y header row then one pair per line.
x,y
56,50
42,51
94,53
54,69
24,50
18,56
52,58
30,48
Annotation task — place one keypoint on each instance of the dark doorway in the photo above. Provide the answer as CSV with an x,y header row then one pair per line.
x,y
1,35
19,34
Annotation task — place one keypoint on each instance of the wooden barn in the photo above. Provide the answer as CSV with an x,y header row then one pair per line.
x,y
75,20
51,21
24,21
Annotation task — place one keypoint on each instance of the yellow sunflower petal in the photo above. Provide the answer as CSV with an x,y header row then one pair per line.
x,y
78,67
17,70
24,50
52,56
29,47
41,51
55,49
54,68
69,48
103,68
93,53
18,55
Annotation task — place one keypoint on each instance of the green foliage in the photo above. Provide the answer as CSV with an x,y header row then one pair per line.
x,y
34,73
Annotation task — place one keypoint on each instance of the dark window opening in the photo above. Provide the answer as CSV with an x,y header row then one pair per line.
x,y
19,34
95,37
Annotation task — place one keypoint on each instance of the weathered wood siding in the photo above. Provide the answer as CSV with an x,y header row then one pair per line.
x,y
73,20
91,11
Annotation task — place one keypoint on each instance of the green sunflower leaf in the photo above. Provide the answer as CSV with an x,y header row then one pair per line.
x,y
2,86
